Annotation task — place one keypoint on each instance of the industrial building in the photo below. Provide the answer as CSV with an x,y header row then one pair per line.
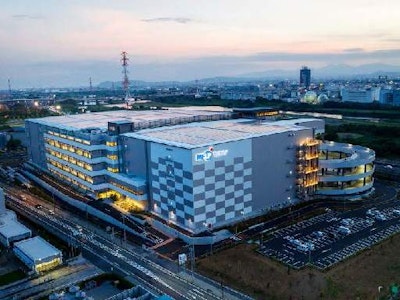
x,y
37,254
195,169
10,229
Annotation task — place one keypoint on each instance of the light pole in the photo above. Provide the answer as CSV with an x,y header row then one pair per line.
x,y
54,200
241,216
123,222
192,259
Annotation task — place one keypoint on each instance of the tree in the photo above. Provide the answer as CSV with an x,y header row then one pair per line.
x,y
13,144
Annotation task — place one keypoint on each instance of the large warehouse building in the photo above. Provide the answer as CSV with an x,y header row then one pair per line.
x,y
196,169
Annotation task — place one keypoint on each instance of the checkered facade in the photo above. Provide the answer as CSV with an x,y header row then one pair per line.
x,y
222,190
172,191
199,194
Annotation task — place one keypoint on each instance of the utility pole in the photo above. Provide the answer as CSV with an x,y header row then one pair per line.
x,y
54,201
192,259
90,85
9,89
123,221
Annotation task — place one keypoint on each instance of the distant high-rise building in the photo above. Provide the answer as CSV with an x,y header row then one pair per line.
x,y
305,77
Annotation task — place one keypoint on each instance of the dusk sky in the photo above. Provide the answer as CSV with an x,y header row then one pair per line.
x,y
63,43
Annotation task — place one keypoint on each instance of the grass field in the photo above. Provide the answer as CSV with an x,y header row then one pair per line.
x,y
357,278
11,277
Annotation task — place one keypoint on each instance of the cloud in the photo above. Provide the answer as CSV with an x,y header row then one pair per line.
x,y
347,54
168,19
352,50
27,17
393,40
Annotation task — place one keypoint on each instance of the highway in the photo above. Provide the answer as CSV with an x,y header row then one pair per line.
x,y
124,261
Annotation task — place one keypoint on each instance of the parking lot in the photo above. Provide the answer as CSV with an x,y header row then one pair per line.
x,y
327,239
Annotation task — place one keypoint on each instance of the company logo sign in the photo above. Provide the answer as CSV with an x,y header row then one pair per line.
x,y
208,154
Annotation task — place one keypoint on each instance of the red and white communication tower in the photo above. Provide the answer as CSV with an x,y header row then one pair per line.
x,y
125,82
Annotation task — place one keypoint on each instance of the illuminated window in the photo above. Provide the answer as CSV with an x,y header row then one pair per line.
x,y
114,170
111,144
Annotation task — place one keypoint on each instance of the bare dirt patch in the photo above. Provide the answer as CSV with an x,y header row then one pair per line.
x,y
357,278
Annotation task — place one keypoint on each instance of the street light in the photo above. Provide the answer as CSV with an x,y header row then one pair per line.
x,y
236,227
123,222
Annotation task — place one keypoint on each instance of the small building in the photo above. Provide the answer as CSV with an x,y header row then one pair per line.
x,y
13,231
10,229
38,254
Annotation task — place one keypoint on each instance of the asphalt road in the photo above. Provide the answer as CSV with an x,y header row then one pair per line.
x,y
131,264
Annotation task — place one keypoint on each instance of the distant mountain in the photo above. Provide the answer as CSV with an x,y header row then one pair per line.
x,y
272,74
362,70
117,85
137,83
330,71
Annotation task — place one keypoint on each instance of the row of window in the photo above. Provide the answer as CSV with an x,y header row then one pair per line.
x,y
69,137
69,148
70,170
70,159
69,179
122,187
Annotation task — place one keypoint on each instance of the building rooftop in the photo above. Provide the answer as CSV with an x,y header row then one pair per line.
x,y
201,134
100,119
12,228
37,248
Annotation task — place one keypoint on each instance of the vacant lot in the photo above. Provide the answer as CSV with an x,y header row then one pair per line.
x,y
357,278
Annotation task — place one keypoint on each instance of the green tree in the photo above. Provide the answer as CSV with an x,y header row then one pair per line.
x,y
13,144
